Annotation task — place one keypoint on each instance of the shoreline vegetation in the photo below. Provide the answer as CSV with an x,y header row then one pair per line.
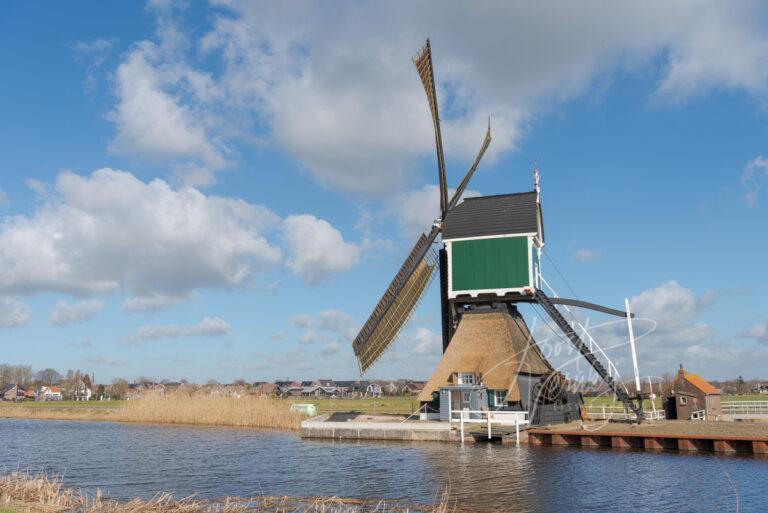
x,y
21,492
179,409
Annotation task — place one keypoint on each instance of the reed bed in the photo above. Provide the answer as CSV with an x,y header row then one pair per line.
x,y
25,493
245,411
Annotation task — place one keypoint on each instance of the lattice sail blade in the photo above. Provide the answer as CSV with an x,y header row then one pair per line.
x,y
398,302
423,62
471,171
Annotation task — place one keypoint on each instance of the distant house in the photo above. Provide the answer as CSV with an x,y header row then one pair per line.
x,y
413,388
49,393
373,390
318,391
693,397
12,393
351,389
82,391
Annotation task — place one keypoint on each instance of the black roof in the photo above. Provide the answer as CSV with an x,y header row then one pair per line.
x,y
493,215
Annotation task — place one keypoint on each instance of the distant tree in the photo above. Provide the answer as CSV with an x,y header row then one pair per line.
x,y
16,374
741,386
119,388
144,380
211,382
48,377
240,382
100,392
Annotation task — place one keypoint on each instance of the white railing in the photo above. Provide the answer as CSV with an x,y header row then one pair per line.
x,y
620,413
739,408
699,415
489,418
613,372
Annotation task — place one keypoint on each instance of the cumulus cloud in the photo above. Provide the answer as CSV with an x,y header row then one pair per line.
x,y
758,332
208,327
68,313
337,321
751,176
416,210
346,102
317,249
152,123
13,313
666,326
426,341
586,255
111,231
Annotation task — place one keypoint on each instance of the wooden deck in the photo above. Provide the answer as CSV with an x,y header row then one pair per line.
x,y
672,436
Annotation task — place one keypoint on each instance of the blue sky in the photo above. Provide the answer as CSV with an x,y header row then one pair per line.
x,y
224,190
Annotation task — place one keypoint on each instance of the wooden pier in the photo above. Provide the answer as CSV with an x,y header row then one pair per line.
x,y
620,439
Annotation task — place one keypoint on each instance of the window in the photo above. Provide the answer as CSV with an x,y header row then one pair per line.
x,y
467,378
500,397
465,397
683,400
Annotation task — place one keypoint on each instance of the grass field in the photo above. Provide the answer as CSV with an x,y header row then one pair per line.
x,y
404,405
62,404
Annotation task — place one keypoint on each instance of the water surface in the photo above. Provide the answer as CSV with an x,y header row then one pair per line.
x,y
129,460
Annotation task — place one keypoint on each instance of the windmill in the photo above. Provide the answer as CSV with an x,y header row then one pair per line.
x,y
488,262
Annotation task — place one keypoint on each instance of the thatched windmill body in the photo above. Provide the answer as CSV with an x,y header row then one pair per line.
x,y
488,262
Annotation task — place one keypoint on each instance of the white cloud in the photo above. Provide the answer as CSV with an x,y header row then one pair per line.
x,y
758,332
67,313
346,102
208,327
426,341
302,320
110,231
751,176
152,301
338,321
586,255
154,124
416,210
13,313
317,249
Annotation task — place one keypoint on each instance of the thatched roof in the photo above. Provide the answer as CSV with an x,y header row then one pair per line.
x,y
496,346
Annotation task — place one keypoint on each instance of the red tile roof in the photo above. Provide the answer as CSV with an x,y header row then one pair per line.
x,y
700,383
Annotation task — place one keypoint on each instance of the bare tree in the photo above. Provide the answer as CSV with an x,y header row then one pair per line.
x,y
119,388
48,377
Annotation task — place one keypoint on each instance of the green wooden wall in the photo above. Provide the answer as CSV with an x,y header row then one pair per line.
x,y
500,263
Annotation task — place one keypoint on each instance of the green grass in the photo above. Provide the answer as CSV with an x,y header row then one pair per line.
x,y
62,404
403,405
5,509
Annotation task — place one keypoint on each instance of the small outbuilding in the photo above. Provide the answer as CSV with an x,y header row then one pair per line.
x,y
693,397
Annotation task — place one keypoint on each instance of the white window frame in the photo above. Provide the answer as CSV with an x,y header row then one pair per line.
x,y
683,400
462,378
497,394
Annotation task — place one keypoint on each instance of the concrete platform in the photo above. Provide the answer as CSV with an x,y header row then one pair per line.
x,y
320,427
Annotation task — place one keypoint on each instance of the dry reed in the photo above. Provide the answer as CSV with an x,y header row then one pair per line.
x,y
246,411
41,494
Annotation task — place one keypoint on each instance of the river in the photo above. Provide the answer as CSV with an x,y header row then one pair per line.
x,y
128,460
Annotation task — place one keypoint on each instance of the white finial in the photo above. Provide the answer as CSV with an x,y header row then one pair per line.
x,y
536,177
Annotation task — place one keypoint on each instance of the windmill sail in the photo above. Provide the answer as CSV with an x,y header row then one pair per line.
x,y
471,171
398,302
423,62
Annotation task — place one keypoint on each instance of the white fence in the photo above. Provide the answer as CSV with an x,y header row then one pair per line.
x,y
743,410
489,418
619,413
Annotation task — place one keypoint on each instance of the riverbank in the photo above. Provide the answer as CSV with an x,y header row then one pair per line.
x,y
254,412
25,493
